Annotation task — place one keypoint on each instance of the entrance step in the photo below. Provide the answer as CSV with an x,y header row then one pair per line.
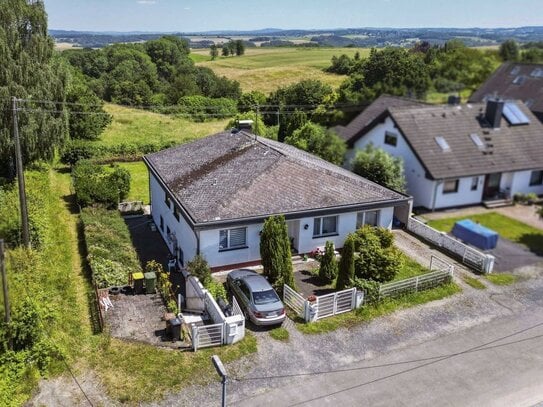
x,y
497,203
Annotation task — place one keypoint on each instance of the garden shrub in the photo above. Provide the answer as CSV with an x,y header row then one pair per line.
x,y
198,267
94,185
376,261
217,290
111,255
328,269
346,264
370,288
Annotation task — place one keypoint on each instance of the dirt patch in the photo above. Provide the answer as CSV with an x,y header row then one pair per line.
x,y
309,284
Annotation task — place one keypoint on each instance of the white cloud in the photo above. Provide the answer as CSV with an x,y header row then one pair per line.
x,y
146,1
186,8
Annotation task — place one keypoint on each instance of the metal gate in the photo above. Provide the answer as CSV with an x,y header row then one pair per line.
x,y
335,303
294,300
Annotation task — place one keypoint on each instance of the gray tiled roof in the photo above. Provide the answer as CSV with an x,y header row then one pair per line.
x,y
352,131
514,80
230,176
509,148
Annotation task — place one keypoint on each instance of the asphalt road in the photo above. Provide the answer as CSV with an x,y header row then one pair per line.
x,y
499,363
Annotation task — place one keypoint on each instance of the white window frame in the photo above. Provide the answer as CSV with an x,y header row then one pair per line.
x,y
539,181
456,186
320,220
475,183
363,216
391,136
228,239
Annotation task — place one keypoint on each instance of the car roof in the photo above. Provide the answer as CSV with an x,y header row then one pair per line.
x,y
253,280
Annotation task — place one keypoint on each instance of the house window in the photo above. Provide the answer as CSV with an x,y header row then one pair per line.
x,y
161,223
176,213
167,200
232,238
326,226
367,218
450,186
474,183
391,139
536,178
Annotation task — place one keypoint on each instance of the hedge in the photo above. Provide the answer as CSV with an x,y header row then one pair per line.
x,y
110,252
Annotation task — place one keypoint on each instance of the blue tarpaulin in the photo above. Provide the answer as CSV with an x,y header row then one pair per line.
x,y
475,234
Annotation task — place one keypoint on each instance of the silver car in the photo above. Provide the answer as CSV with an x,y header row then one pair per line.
x,y
256,297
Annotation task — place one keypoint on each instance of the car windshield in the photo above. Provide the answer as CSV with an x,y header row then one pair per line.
x,y
265,297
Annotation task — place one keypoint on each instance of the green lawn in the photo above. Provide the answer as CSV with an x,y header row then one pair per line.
x,y
507,228
266,69
369,312
279,334
139,181
502,278
410,268
140,126
473,282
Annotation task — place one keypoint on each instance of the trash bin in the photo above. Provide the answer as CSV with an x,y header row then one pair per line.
x,y
138,282
150,282
175,326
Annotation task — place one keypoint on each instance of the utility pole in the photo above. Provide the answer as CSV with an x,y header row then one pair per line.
x,y
7,312
256,119
20,176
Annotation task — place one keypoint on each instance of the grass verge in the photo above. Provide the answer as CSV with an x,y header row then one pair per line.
x,y
473,282
507,228
279,334
369,312
410,268
139,180
502,278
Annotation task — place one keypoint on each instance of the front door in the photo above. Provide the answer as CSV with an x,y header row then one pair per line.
x,y
492,186
293,227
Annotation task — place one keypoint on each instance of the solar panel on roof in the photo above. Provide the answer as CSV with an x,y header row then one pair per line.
x,y
477,141
441,142
537,73
514,115
519,80
515,70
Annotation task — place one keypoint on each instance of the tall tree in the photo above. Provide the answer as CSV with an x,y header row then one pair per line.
x,y
275,252
225,50
317,140
346,264
29,70
378,166
240,48
328,267
509,50
213,52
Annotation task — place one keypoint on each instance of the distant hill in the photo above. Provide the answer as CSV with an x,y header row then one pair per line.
x,y
359,37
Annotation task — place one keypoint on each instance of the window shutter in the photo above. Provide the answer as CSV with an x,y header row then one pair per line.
x,y
237,237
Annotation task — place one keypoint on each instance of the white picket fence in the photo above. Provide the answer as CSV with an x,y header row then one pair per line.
x,y
444,273
324,305
236,309
469,256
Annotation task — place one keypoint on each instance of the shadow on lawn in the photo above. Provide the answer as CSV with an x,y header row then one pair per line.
x,y
313,283
534,242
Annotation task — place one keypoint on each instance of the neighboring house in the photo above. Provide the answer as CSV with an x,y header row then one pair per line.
x,y
212,196
461,155
516,81
353,131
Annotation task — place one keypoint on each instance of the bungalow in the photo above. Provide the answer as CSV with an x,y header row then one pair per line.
x,y
513,80
212,196
457,155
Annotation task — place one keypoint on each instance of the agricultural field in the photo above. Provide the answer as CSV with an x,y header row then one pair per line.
x,y
266,69
141,126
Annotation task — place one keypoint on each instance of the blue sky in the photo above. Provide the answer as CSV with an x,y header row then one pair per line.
x,y
205,15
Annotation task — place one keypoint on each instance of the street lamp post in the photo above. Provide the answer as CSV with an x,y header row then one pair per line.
x,y
221,371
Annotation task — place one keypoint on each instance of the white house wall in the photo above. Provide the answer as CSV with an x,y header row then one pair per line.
x,y
418,186
209,239
521,184
464,195
186,239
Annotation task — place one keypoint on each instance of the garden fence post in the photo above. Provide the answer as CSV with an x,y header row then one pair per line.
x,y
417,284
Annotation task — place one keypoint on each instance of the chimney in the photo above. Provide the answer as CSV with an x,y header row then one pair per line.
x,y
245,125
453,100
493,112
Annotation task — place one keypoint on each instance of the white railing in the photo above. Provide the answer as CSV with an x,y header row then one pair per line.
x,y
206,336
323,306
414,284
469,256
294,300
236,309
335,303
